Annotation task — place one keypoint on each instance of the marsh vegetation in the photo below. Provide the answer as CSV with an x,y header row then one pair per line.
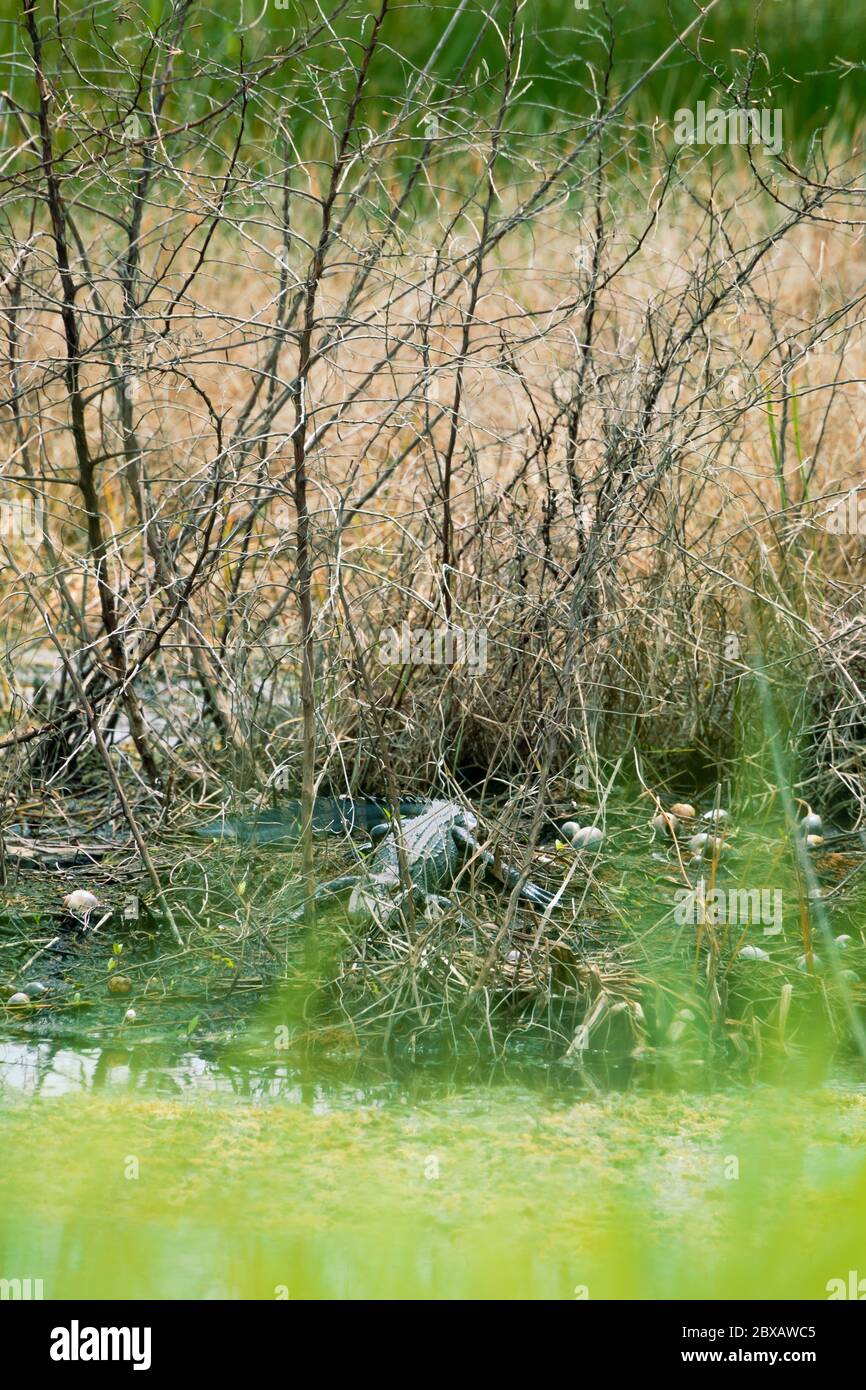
x,y
395,411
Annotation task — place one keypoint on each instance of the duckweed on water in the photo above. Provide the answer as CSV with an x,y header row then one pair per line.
x,y
489,1193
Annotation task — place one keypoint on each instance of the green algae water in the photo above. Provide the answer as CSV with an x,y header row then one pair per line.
x,y
476,1193
174,1175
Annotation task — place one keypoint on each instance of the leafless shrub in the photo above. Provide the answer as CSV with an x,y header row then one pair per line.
x,y
281,379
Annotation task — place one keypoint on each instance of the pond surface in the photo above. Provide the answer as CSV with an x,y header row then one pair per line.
x,y
462,1191
157,1171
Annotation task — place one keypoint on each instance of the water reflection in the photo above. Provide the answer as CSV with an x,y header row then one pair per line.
x,y
50,1068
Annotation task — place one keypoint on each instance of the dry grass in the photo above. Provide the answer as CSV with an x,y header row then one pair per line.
x,y
594,407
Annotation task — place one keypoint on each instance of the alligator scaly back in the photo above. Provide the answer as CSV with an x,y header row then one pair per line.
x,y
432,854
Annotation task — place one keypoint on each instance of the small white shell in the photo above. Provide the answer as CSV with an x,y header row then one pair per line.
x,y
570,829
803,962
813,841
15,1000
80,902
719,815
843,942
683,810
703,843
811,824
665,823
752,953
589,837
130,1016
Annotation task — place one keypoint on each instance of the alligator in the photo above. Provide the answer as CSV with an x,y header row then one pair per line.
x,y
435,844
437,836
332,815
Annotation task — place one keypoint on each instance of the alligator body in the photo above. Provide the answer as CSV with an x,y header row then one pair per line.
x,y
332,815
435,845
437,837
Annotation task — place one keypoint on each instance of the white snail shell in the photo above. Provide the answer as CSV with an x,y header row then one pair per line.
x,y
80,902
